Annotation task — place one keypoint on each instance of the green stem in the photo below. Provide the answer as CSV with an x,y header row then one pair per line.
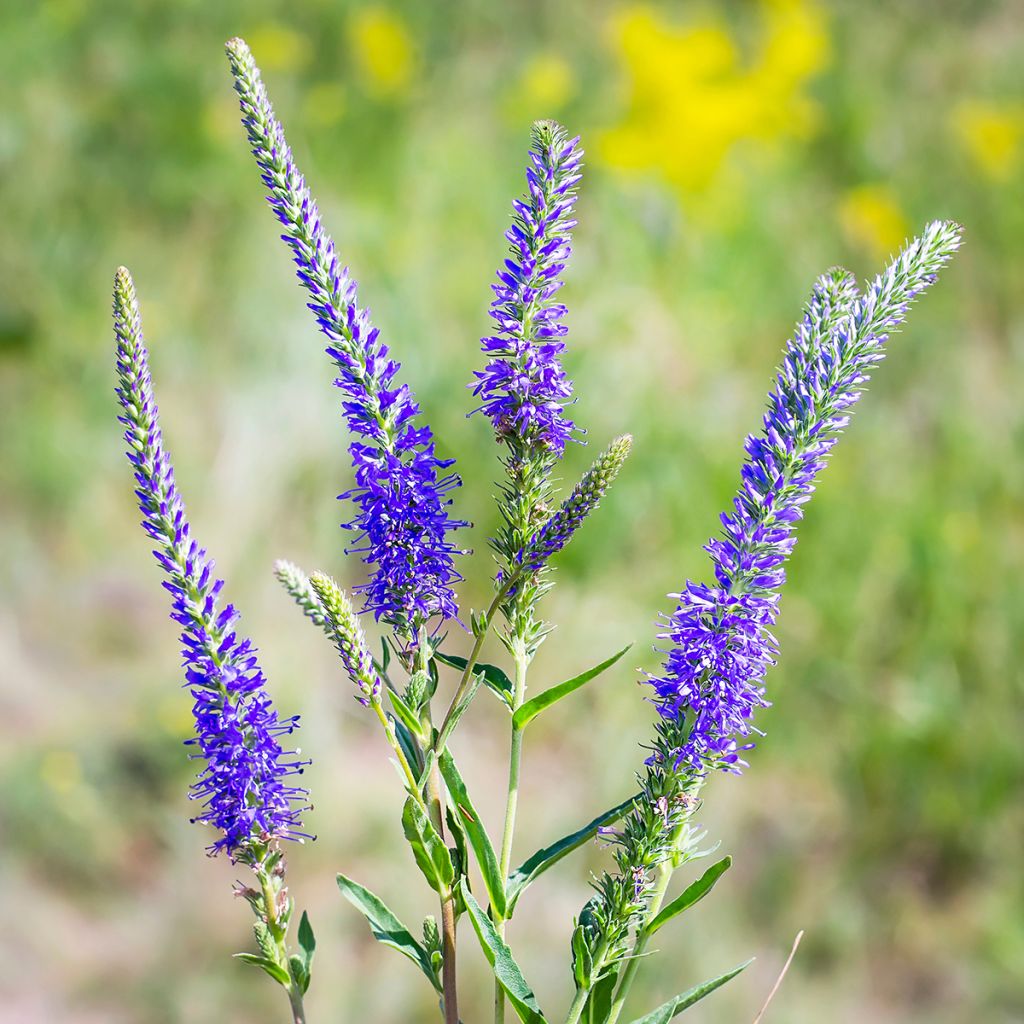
x,y
436,804
279,934
403,762
474,654
511,806
579,1001
663,877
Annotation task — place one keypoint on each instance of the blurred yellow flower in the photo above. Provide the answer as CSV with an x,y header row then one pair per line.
x,y
383,51
175,717
871,218
278,47
546,84
692,99
61,770
992,135
324,104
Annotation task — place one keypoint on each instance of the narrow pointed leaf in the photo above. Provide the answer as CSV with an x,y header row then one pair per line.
x,y
385,927
275,970
494,678
307,945
534,707
405,714
432,856
664,1013
551,855
693,893
458,711
475,832
599,1002
499,956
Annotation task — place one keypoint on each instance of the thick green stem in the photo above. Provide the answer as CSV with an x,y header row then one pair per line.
x,y
579,1001
474,654
511,805
436,805
664,876
662,879
279,934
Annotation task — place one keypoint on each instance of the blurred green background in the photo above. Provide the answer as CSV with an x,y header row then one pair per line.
x,y
735,150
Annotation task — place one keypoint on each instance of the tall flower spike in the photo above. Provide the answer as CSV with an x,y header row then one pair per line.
x,y
243,785
524,389
401,493
348,637
720,637
584,498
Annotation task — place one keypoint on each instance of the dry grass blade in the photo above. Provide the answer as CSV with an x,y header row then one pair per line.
x,y
782,974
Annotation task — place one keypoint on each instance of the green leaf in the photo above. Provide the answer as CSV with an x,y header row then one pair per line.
x,y
476,832
599,1003
385,927
307,943
494,679
405,714
664,1013
582,961
458,711
528,711
551,855
410,748
432,856
275,970
299,972
691,894
499,956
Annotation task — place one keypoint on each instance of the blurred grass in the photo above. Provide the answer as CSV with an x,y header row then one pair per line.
x,y
735,151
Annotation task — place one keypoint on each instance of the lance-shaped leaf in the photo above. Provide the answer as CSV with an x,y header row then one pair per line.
x,y
432,856
599,1003
386,928
493,677
475,832
547,857
692,894
536,705
405,714
301,963
499,956
664,1013
458,711
271,967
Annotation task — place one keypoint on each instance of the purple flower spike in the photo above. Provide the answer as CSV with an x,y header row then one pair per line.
x,y
401,524
720,636
524,389
243,784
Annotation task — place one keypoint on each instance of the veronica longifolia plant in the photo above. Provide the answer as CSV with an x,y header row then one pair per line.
x,y
716,646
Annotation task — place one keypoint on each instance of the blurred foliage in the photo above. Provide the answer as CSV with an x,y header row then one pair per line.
x,y
736,150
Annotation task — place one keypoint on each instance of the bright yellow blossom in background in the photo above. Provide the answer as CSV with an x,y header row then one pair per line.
x,y
383,50
693,98
992,136
872,219
547,82
278,47
324,104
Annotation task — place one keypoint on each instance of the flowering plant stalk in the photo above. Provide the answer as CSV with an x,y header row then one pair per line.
x,y
716,646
